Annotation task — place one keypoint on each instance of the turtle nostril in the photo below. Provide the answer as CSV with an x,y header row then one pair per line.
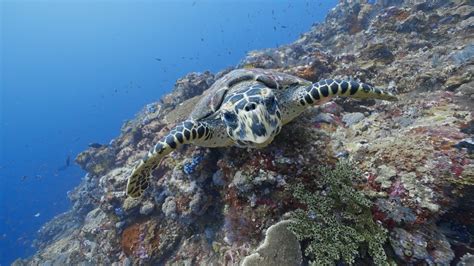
x,y
250,107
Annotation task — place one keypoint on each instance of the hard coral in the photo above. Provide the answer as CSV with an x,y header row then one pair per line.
x,y
96,161
337,219
130,239
279,248
150,240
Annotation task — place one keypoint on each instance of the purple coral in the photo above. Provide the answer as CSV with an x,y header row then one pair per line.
x,y
119,212
142,252
190,167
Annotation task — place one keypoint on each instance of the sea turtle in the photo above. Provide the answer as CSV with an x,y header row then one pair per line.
x,y
246,108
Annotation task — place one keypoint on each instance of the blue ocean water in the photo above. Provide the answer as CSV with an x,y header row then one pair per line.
x,y
72,72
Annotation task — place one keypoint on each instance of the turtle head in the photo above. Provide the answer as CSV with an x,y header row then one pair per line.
x,y
252,116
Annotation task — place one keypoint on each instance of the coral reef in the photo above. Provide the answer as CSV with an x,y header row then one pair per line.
x,y
212,206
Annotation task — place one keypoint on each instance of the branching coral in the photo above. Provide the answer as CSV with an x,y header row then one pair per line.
x,y
337,221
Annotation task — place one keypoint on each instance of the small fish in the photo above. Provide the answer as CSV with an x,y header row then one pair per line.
x,y
37,214
283,26
67,164
158,59
23,178
95,145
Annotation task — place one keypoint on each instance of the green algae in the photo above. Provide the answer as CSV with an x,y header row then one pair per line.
x,y
337,222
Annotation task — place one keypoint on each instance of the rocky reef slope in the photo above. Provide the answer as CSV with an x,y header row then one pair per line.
x,y
413,177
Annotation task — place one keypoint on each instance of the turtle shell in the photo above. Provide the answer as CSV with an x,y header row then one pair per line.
x,y
211,100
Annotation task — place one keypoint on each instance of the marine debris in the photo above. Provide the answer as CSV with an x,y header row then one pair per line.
x,y
217,206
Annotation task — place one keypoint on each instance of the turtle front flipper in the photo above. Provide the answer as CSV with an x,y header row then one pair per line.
x,y
184,133
334,87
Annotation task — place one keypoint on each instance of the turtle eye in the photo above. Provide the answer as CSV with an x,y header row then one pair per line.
x,y
270,103
230,117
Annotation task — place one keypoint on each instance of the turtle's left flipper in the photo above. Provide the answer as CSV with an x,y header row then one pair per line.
x,y
329,87
184,133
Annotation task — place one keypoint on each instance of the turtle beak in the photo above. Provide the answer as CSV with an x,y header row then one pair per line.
x,y
261,122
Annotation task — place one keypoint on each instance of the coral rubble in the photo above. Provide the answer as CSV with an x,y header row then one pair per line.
x,y
213,206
